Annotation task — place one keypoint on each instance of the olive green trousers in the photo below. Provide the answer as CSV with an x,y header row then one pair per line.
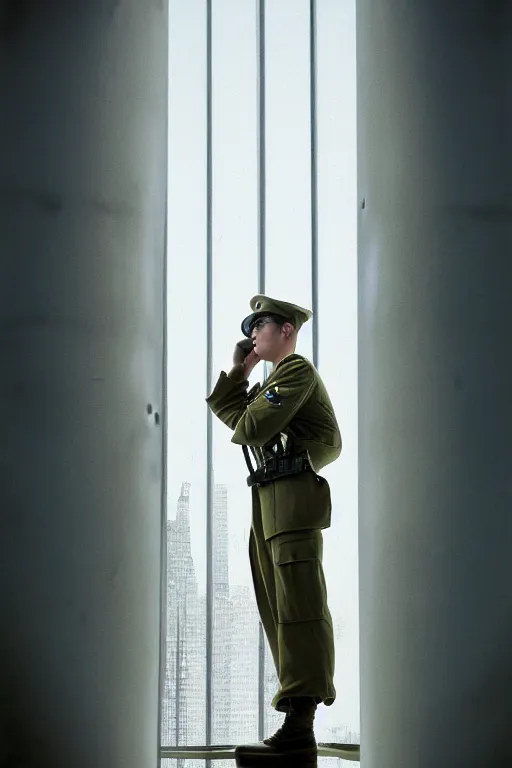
x,y
291,596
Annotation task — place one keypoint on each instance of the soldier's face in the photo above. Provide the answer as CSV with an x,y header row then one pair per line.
x,y
267,337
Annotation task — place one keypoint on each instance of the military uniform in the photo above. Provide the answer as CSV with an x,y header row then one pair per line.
x,y
288,428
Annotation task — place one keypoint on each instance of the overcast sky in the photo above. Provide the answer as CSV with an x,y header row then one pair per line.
x,y
288,259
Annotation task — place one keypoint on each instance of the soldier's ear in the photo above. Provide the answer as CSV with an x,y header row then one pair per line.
x,y
287,329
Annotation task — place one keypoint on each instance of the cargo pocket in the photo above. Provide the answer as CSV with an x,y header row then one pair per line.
x,y
300,583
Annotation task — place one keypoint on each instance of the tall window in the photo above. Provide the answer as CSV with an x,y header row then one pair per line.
x,y
292,232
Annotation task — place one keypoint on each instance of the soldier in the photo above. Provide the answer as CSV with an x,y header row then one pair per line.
x,y
288,428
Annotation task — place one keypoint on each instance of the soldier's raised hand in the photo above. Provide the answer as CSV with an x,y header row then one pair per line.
x,y
242,350
250,362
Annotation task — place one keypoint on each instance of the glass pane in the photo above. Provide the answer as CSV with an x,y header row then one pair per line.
x,y
235,270
337,213
183,706
288,157
235,274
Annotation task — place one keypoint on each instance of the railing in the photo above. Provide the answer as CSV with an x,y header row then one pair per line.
x,y
342,751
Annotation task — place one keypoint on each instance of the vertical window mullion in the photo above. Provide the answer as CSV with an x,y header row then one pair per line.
x,y
261,284
314,178
261,148
209,376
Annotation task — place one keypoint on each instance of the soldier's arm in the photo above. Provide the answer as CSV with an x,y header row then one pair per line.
x,y
277,403
228,399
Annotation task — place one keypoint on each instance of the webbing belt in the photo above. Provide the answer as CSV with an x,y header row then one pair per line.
x,y
275,468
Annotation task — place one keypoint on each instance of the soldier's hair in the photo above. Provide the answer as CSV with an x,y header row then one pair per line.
x,y
280,320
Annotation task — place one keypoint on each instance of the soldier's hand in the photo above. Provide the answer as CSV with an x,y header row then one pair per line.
x,y
250,362
242,350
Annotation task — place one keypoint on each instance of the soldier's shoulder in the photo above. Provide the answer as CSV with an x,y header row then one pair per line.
x,y
297,361
295,367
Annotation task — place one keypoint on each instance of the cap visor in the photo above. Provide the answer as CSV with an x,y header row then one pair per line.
x,y
246,324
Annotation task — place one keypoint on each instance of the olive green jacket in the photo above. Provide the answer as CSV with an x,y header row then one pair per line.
x,y
292,400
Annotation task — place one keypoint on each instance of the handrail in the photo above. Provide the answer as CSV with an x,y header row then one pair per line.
x,y
227,752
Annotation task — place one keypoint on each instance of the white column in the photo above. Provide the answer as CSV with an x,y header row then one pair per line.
x,y
435,379
83,102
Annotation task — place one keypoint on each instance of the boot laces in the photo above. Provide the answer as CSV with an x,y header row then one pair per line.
x,y
284,730
294,723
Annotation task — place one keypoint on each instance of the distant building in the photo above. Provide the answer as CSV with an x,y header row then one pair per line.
x,y
342,735
222,621
220,541
183,716
244,666
273,719
184,696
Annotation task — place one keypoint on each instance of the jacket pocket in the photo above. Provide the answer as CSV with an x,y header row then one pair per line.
x,y
302,502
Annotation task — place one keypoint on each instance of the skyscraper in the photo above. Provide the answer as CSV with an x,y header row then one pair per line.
x,y
244,666
183,715
273,718
222,620
183,706
220,541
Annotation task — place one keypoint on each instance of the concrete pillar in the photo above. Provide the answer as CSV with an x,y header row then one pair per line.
x,y
435,398
83,101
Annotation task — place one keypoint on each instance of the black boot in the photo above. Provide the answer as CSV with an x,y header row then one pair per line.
x,y
295,739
